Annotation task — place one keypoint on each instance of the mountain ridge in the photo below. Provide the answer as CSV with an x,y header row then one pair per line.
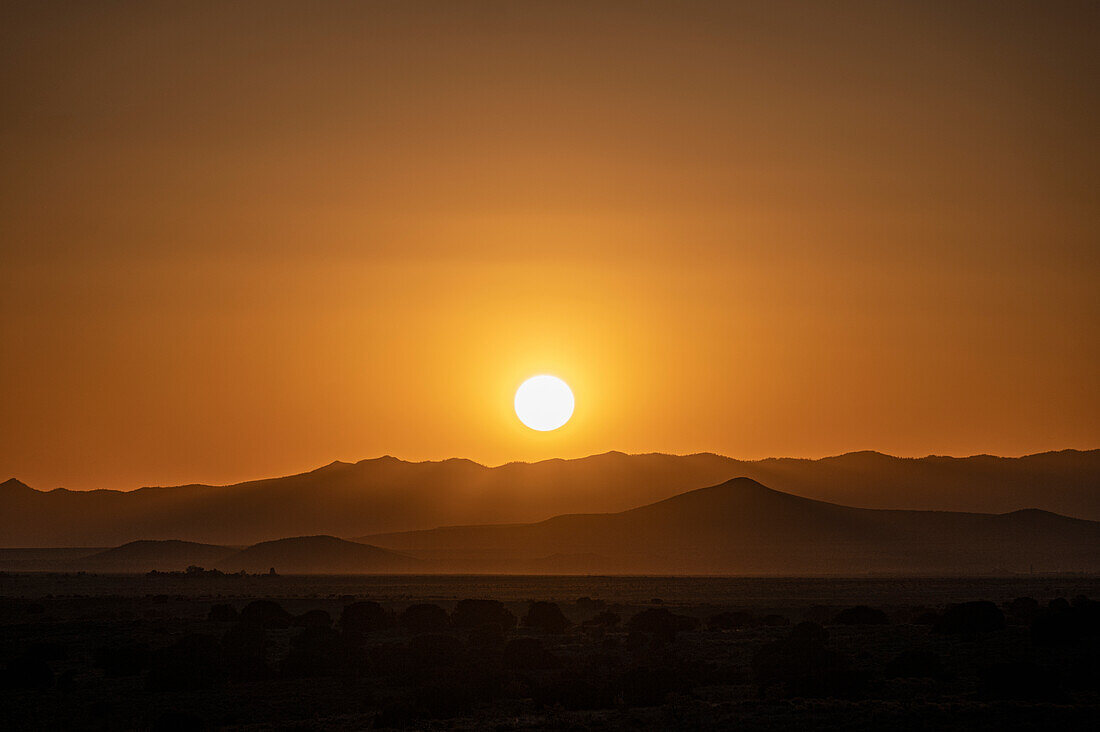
x,y
743,527
385,494
609,453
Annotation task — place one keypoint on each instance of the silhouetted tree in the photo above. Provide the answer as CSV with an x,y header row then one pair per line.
x,y
365,616
473,613
605,619
660,623
265,614
1022,609
861,615
490,635
586,606
424,618
315,618
969,618
545,616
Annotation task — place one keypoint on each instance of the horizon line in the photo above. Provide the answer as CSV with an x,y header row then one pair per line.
x,y
561,459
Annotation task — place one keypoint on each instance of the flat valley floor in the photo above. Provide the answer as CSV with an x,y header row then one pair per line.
x,y
208,651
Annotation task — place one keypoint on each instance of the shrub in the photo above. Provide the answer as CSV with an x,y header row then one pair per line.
x,y
363,617
545,616
313,619
1022,608
265,614
605,619
424,618
730,620
474,613
970,618
490,635
1064,623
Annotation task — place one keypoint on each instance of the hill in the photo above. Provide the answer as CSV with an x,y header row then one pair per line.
x,y
387,495
743,527
144,555
317,555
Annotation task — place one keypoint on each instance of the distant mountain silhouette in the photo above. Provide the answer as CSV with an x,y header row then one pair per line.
x,y
387,494
317,555
11,486
297,555
170,555
742,527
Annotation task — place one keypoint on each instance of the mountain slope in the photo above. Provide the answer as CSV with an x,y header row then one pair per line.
x,y
386,494
742,527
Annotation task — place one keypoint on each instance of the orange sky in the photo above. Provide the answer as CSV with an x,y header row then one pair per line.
x,y
240,240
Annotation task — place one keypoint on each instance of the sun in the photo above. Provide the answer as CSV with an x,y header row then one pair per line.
x,y
544,402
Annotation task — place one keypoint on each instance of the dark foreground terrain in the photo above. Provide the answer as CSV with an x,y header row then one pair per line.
x,y
201,650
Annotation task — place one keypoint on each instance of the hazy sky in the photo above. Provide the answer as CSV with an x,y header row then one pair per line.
x,y
246,239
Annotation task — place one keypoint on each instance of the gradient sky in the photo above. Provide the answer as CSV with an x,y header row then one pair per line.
x,y
246,239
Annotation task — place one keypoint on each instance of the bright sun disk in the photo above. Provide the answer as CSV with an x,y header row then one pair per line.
x,y
544,403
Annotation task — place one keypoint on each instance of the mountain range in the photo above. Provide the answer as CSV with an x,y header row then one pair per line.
x,y
741,527
738,527
294,555
386,495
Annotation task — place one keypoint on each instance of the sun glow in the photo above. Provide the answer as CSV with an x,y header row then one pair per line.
x,y
544,403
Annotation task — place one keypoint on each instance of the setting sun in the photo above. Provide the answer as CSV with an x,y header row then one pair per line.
x,y
544,403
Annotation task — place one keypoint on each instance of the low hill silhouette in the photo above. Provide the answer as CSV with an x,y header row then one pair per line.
x,y
167,555
317,555
743,527
387,494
